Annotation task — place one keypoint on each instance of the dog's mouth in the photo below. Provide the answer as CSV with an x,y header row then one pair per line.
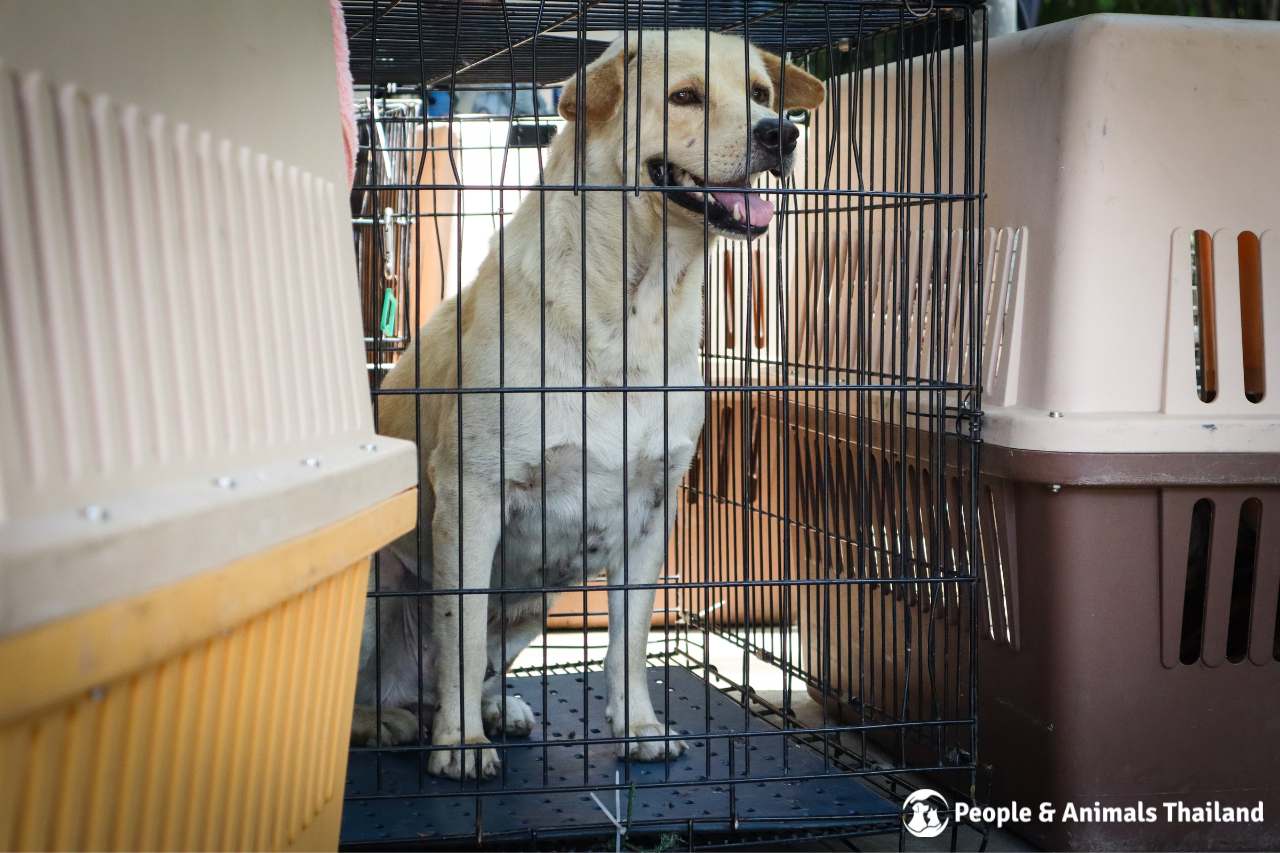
x,y
741,214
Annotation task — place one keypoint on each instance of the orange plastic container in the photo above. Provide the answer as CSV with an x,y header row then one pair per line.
x,y
209,714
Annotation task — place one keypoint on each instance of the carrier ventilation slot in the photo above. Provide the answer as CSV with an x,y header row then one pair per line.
x,y
1251,327
693,481
919,537
1215,352
998,323
997,565
723,473
724,463
1227,583
730,286
1197,584
874,524
1204,317
1243,579
956,535
1275,641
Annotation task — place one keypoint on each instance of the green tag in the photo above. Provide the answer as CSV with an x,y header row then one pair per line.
x,y
388,312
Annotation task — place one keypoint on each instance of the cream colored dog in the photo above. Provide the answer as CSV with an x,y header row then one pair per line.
x,y
497,467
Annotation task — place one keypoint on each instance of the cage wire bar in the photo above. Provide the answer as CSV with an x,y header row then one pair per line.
x,y
817,612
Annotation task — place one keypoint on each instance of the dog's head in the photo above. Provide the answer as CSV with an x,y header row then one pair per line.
x,y
694,110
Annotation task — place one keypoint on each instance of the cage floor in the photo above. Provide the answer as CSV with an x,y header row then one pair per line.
x,y
523,799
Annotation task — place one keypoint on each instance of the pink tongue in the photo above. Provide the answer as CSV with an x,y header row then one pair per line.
x,y
755,210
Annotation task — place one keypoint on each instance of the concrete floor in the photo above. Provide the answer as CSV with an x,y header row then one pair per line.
x,y
572,647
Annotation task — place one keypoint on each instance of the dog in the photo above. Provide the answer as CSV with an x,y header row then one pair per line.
x,y
495,466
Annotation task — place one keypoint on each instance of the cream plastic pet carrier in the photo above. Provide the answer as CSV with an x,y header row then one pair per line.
x,y
190,484
1128,516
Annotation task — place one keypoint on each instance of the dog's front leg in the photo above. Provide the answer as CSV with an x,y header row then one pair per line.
x,y
508,714
630,709
460,626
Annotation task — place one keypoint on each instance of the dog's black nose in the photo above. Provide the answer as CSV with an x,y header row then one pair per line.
x,y
777,134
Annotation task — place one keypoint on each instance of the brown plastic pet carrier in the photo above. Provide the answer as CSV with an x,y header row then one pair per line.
x,y
1128,508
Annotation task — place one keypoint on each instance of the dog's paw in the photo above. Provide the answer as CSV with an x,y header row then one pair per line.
x,y
651,750
399,726
519,720
464,763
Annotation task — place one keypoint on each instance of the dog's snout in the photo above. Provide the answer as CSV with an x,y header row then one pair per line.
x,y
777,134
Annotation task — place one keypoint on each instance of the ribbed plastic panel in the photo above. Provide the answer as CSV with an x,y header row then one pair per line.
x,y
237,743
169,299
181,374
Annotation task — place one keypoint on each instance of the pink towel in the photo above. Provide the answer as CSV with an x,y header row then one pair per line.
x,y
346,88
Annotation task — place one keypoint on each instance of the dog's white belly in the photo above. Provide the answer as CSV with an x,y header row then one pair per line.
x,y
585,537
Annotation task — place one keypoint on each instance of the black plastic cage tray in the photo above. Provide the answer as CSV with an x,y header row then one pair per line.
x,y
717,778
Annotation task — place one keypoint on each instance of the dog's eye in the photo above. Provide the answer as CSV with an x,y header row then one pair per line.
x,y
760,94
684,97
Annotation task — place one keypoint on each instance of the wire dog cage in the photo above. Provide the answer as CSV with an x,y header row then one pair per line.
x,y
818,555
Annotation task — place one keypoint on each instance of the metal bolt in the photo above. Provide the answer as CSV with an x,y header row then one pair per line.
x,y
93,512
225,483
1055,488
1054,414
311,462
96,694
369,448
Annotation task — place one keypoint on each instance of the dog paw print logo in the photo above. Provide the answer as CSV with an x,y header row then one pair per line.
x,y
925,813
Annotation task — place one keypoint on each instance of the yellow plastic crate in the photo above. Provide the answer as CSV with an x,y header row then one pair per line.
x,y
210,714
190,482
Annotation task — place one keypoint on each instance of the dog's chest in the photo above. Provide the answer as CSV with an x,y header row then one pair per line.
x,y
591,483
594,496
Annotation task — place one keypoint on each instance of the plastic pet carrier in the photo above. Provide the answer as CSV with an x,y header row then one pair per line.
x,y
1128,510
190,483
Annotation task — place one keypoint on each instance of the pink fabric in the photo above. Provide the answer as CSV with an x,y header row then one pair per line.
x,y
346,88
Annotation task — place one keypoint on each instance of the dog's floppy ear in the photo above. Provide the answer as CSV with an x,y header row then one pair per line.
x,y
802,89
602,82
